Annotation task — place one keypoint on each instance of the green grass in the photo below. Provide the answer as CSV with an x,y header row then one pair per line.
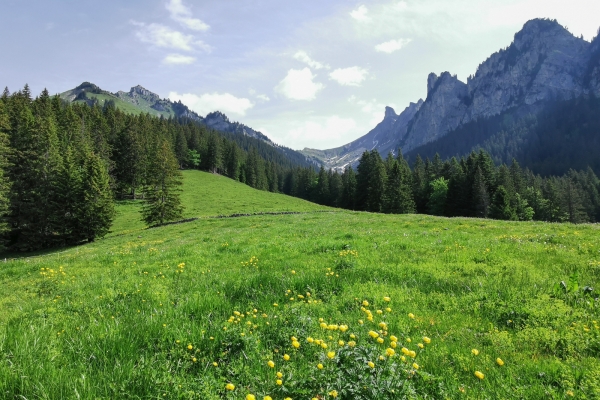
x,y
113,319
207,195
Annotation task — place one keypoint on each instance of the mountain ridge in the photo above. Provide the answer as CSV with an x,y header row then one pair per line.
x,y
141,100
544,63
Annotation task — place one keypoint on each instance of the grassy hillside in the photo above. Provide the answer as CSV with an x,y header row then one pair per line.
x,y
180,312
205,194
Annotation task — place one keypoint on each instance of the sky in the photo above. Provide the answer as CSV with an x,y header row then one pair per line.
x,y
308,73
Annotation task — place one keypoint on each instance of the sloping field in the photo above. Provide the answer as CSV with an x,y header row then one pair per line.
x,y
204,194
318,305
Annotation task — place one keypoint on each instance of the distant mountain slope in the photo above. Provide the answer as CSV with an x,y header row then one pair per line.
x,y
545,64
139,100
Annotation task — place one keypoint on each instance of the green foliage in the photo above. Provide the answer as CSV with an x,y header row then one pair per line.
x,y
125,309
437,200
161,195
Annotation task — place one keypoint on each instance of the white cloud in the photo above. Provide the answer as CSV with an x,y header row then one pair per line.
x,y
209,102
392,45
352,76
373,108
303,56
326,131
163,36
263,97
183,15
360,14
178,59
298,85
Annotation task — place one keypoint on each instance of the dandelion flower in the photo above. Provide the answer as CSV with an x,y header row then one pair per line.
x,y
250,397
415,366
426,340
230,386
479,374
411,315
331,354
475,352
390,352
320,366
286,357
333,393
371,364
499,361
373,334
387,299
271,364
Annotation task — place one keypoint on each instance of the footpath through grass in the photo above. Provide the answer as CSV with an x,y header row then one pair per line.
x,y
353,305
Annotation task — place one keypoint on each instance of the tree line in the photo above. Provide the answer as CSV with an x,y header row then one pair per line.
x,y
471,186
63,165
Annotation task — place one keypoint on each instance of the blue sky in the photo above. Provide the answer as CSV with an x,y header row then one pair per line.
x,y
307,74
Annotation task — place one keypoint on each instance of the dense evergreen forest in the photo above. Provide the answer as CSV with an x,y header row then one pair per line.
x,y
62,166
563,135
471,186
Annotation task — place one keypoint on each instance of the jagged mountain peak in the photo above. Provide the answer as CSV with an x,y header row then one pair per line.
x,y
390,113
217,115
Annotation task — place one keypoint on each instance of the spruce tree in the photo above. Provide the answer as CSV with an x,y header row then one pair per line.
x,y
161,193
4,181
348,199
481,197
501,207
96,211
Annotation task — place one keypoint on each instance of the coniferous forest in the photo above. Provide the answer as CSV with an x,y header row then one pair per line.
x,y
62,166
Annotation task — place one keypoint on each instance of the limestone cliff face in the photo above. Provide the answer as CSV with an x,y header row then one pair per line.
x,y
545,62
443,110
384,137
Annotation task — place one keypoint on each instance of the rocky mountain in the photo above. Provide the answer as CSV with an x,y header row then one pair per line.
x,y
545,63
383,138
140,100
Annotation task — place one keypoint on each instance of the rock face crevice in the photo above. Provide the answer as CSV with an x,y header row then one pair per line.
x,y
545,62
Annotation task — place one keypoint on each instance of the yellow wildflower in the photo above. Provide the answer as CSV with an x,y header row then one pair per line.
x,y
479,374
373,334
331,354
411,315
333,393
371,364
250,397
320,366
230,386
499,361
426,340
279,382
387,299
286,357
271,364
296,344
415,366
390,352
475,352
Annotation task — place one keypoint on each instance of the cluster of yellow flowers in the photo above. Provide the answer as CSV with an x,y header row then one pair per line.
x,y
347,253
480,374
253,262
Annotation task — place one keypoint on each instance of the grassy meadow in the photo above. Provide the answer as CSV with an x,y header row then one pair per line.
x,y
319,305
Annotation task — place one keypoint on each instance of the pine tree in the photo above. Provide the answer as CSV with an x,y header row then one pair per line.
x,y
348,200
161,193
96,211
501,207
398,197
481,197
4,181
322,194
420,185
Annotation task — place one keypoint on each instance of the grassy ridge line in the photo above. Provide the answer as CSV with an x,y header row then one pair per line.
x,y
205,194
